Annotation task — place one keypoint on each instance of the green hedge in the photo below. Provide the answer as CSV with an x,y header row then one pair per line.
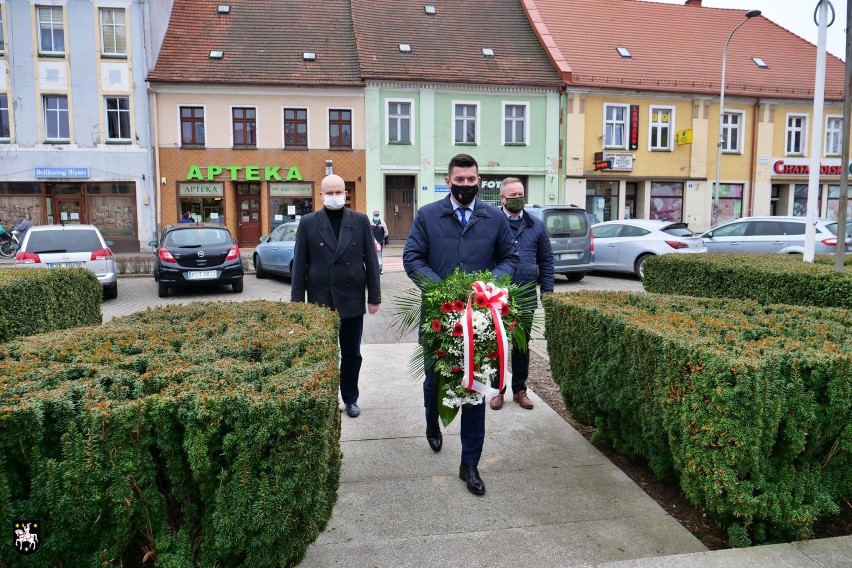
x,y
749,406
39,300
765,278
200,435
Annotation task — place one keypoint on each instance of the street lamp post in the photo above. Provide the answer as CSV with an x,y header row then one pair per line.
x,y
749,15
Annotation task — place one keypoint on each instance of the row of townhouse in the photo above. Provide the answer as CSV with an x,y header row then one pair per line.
x,y
126,113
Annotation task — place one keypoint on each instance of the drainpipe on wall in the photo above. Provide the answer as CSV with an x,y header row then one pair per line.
x,y
752,161
155,144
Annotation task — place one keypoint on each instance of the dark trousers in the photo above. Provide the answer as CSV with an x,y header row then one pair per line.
x,y
350,357
472,422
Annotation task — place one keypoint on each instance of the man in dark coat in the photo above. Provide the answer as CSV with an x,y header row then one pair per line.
x,y
535,267
335,262
459,231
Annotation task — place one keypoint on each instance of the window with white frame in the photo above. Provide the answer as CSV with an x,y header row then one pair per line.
x,y
661,128
2,37
118,118
113,32
5,129
464,117
51,30
399,122
515,123
732,132
615,126
56,117
795,138
833,135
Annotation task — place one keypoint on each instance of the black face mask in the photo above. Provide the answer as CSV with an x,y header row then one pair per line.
x,y
464,194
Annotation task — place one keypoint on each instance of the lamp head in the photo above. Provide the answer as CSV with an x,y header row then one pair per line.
x,y
752,13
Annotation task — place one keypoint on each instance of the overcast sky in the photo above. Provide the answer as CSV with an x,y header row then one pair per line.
x,y
795,15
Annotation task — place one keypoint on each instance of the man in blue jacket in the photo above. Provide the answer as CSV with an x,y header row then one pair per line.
x,y
459,231
535,267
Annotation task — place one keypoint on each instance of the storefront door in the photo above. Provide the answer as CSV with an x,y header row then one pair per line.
x,y
399,206
67,210
248,205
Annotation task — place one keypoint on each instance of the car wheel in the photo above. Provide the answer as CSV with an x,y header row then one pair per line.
x,y
111,292
162,290
258,268
237,286
575,276
639,265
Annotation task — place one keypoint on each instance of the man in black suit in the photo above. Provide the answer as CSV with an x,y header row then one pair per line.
x,y
335,262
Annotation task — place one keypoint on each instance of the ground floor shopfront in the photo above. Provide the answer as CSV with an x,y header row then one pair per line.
x,y
252,192
108,188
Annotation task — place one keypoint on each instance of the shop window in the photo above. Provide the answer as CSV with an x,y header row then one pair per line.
x,y
111,207
192,126
5,129
833,135
340,129
515,124
800,200
118,119
56,118
796,135
732,133
667,202
113,32
244,122
399,122
615,126
51,31
730,202
834,204
661,128
602,200
296,128
464,123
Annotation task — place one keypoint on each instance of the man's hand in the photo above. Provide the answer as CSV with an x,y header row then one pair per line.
x,y
373,308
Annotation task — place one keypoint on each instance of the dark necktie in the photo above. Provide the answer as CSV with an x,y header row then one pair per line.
x,y
463,215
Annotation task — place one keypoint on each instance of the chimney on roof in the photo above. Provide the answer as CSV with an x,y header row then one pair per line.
x,y
693,3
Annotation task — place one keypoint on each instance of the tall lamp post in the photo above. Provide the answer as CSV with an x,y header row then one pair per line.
x,y
749,15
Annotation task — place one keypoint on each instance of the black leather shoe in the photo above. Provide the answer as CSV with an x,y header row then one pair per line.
x,y
470,475
435,438
353,411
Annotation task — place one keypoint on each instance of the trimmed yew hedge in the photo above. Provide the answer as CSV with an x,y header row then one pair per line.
x,y
749,406
39,300
199,435
765,278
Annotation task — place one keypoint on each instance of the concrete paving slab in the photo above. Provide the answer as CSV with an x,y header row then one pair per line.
x,y
828,552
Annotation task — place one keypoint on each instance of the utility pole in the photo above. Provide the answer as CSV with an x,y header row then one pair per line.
x,y
840,251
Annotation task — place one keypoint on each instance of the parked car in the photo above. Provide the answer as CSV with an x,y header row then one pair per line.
x,y
274,254
70,246
570,237
624,246
191,255
783,235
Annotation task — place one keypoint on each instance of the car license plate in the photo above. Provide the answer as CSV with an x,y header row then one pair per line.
x,y
201,275
64,264
569,256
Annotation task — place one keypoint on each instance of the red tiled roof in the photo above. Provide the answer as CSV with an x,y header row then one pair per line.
x,y
263,43
447,47
678,48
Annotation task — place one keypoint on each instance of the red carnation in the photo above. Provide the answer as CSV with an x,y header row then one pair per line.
x,y
481,300
458,306
439,353
458,330
504,311
436,325
512,326
456,370
492,355
447,307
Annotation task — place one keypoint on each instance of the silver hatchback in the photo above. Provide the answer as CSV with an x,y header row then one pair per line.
x,y
70,246
782,235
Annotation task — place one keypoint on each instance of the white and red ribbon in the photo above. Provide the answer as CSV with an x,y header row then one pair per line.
x,y
495,299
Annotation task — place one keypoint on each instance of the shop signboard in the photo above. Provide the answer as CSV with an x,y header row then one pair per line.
x,y
201,189
619,161
291,189
65,173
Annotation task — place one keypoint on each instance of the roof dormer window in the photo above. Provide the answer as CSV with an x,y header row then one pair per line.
x,y
217,54
759,62
405,48
223,9
430,10
309,56
624,52
487,52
